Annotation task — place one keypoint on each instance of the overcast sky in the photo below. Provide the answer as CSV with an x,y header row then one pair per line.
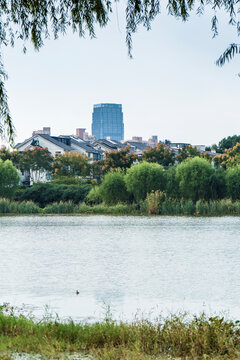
x,y
171,88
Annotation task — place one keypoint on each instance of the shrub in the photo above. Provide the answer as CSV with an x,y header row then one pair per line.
x,y
113,188
154,201
143,178
69,180
233,182
60,208
172,184
27,207
9,179
7,206
218,184
194,176
94,196
44,194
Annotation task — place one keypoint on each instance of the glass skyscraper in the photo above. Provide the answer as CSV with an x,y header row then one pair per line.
x,y
107,121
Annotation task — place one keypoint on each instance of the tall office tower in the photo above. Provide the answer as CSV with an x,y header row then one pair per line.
x,y
107,122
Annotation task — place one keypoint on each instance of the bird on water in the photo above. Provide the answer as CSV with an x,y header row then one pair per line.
x,y
77,292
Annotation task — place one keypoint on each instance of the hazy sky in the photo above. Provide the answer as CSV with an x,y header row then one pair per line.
x,y
171,88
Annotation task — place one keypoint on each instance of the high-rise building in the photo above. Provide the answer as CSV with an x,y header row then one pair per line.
x,y
80,132
107,122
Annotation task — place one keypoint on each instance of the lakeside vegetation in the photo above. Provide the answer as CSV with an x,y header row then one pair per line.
x,y
174,337
153,205
159,183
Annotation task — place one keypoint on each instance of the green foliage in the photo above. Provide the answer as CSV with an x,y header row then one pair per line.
x,y
194,176
7,206
5,153
27,207
218,189
118,160
233,182
227,143
13,207
61,207
160,154
144,177
113,188
44,194
94,196
9,179
229,158
172,184
175,337
118,209
154,201
71,164
187,152
69,180
36,159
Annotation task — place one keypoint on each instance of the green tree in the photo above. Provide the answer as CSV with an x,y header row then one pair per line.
x,y
37,160
227,143
5,153
187,152
9,179
172,184
194,176
218,184
113,188
233,182
118,160
144,177
160,154
230,157
71,164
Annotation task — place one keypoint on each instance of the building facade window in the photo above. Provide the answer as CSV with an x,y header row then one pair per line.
x,y
107,122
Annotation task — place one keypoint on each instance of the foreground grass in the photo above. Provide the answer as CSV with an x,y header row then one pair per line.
x,y
175,337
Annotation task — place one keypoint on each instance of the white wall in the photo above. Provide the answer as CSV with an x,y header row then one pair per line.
x,y
52,148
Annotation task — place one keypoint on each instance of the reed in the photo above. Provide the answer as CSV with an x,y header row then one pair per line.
x,y
61,207
155,204
175,337
27,207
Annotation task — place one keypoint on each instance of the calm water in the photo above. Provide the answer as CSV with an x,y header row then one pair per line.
x,y
143,264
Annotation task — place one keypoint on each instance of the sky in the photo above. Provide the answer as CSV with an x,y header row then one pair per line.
x,y
171,88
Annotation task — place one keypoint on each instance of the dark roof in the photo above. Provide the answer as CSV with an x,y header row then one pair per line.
x,y
118,144
46,137
24,142
85,146
56,142
106,143
141,146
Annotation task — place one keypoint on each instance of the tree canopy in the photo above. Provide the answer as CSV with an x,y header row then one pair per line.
x,y
36,20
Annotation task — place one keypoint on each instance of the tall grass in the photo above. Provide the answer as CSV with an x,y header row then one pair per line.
x,y
14,207
61,207
155,204
177,336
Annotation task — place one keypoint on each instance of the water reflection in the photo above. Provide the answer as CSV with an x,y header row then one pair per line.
x,y
130,263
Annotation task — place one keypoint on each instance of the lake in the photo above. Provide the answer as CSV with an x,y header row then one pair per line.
x,y
147,265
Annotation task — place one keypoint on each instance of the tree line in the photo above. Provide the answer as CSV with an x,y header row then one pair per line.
x,y
122,176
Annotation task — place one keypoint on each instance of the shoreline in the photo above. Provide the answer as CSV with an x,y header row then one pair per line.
x,y
169,207
174,337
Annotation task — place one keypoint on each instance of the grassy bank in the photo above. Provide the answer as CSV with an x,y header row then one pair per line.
x,y
176,337
151,206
